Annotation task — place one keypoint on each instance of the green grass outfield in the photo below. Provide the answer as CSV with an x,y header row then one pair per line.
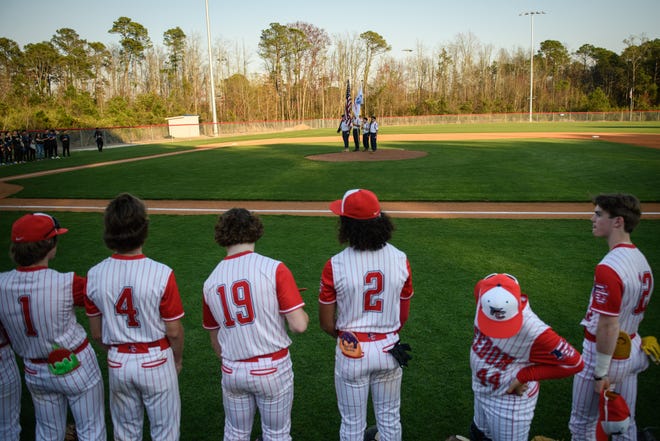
x,y
554,259
487,170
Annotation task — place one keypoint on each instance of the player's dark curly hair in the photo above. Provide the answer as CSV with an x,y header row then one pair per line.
x,y
126,223
238,225
365,235
29,253
620,204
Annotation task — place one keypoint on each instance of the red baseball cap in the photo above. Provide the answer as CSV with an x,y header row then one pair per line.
x,y
357,204
499,305
614,415
35,227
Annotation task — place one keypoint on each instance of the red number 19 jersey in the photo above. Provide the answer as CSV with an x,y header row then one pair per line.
x,y
246,297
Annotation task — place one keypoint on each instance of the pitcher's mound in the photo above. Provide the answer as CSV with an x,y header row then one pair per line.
x,y
378,155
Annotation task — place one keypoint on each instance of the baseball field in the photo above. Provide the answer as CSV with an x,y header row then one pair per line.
x,y
466,200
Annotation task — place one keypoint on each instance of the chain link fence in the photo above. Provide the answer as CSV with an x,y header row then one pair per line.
x,y
84,139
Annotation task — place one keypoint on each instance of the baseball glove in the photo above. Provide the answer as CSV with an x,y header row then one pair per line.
x,y
622,348
398,351
652,348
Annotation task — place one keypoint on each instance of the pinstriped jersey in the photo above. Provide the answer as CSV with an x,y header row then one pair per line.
x,y
535,353
496,361
36,310
368,287
623,284
245,298
136,296
3,337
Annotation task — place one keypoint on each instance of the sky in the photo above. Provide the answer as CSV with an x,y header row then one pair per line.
x,y
405,24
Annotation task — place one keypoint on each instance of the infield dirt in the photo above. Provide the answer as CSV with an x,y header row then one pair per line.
x,y
396,209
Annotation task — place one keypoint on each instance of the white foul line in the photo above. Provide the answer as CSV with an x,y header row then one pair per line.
x,y
311,211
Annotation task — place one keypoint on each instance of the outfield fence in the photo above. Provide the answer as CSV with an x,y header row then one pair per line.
x,y
83,138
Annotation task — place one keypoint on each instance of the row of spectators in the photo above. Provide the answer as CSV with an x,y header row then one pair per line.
x,y
16,148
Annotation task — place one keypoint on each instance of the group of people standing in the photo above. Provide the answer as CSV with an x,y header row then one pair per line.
x,y
250,300
18,148
367,127
134,310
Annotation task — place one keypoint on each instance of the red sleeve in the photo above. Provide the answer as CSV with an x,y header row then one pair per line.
x,y
79,290
90,308
553,357
327,293
288,295
607,291
406,295
170,305
208,321
405,311
407,291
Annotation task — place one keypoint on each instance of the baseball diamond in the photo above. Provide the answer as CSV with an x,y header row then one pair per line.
x,y
415,214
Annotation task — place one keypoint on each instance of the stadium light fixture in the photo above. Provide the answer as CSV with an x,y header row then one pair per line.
x,y
531,57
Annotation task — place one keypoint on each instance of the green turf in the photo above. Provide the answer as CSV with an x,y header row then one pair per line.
x,y
495,170
554,260
85,157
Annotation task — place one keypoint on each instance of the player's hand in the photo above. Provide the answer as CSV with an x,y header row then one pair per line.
x,y
599,385
179,366
516,387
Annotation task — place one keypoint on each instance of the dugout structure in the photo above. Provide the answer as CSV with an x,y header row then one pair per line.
x,y
184,126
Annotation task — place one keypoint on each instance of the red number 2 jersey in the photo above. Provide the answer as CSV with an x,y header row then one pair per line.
x,y
623,284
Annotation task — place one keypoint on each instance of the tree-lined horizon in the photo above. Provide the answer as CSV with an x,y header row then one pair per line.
x,y
69,82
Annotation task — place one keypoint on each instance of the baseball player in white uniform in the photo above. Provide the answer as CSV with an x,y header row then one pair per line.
x,y
37,311
511,352
623,283
135,311
10,392
247,300
364,300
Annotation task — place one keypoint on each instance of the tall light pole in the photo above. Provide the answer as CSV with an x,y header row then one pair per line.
x,y
531,57
212,86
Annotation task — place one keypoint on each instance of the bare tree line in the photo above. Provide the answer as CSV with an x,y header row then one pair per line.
x,y
70,82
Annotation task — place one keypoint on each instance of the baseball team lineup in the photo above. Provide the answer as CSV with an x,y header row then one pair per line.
x,y
250,304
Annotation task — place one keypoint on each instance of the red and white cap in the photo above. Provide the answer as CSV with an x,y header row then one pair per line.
x,y
499,305
35,227
357,204
614,415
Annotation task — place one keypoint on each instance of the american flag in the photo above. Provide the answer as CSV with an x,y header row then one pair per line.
x,y
349,103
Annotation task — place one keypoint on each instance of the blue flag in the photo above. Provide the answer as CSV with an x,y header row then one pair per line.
x,y
358,102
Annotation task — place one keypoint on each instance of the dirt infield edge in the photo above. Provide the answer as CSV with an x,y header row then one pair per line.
x,y
396,209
